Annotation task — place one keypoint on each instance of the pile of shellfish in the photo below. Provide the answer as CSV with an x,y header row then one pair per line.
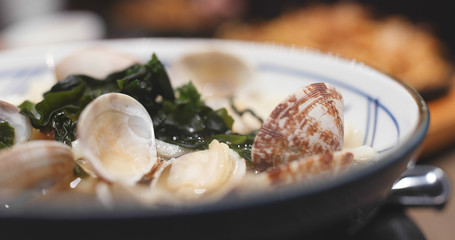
x,y
302,140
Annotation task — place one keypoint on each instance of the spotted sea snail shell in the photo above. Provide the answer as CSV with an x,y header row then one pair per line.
x,y
306,123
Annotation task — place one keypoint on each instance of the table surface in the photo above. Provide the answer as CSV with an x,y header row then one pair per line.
x,y
438,224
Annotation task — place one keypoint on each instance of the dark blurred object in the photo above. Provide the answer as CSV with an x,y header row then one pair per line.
x,y
390,224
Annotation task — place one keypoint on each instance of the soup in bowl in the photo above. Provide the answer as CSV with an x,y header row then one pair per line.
x,y
202,128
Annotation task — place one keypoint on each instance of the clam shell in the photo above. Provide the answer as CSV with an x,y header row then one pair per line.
x,y
20,123
97,62
205,175
116,137
35,165
305,170
308,122
310,168
214,73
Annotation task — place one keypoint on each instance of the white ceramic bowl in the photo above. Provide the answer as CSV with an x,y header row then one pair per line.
x,y
392,117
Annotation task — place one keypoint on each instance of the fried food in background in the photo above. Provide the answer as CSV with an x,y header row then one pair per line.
x,y
171,17
391,44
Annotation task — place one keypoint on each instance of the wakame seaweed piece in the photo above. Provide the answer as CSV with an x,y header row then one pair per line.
x,y
65,128
6,134
188,122
74,92
149,84
57,113
69,96
61,105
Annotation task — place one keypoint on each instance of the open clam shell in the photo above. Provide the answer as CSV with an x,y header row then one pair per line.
x,y
308,122
116,137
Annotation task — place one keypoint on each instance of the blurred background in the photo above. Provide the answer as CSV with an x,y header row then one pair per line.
x,y
414,41
205,18
410,40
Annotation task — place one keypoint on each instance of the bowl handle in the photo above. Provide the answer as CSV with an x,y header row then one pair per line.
x,y
421,186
